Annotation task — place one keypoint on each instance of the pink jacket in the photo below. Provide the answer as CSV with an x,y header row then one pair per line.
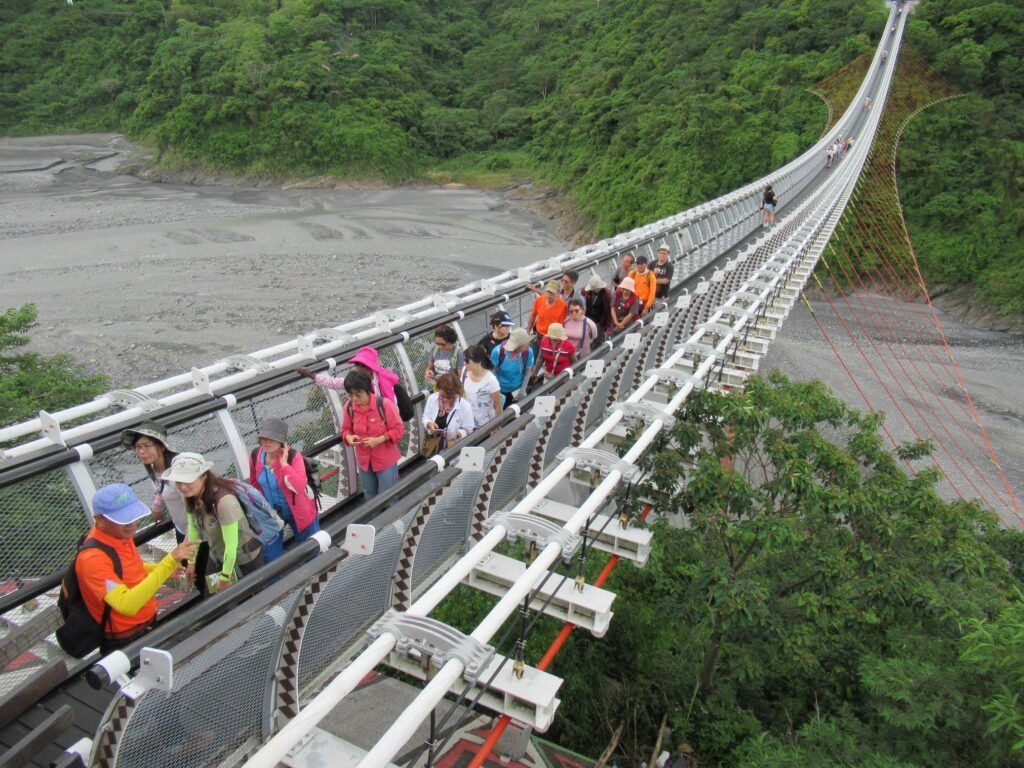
x,y
293,482
366,422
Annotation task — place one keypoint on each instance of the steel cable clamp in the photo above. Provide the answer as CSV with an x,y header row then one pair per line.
x,y
421,637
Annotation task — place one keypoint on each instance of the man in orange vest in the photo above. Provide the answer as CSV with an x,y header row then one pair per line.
x,y
130,596
646,284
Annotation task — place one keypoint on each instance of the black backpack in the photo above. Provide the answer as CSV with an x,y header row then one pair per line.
x,y
81,634
312,475
405,407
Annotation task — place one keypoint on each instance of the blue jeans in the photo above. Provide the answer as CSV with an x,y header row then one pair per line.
x,y
275,548
377,482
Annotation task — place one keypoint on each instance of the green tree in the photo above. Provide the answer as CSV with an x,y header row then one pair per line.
x,y
807,600
30,381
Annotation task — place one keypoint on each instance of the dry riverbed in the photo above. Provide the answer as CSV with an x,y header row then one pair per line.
x,y
140,279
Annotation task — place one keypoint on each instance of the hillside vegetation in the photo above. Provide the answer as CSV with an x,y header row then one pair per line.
x,y
636,109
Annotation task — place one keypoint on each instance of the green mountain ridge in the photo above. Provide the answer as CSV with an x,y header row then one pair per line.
x,y
636,110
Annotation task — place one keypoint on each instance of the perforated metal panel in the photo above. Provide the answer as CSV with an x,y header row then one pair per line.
x,y
41,521
357,595
511,478
561,430
221,701
447,527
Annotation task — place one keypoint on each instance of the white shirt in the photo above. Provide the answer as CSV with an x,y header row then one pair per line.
x,y
460,419
478,393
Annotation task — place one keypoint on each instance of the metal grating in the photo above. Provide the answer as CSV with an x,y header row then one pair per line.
x,y
447,527
354,598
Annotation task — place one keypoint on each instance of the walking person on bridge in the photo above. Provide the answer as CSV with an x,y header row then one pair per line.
x,y
447,414
373,427
599,303
645,284
623,270
278,471
580,329
215,515
501,326
511,360
547,309
769,203
626,307
117,587
663,271
445,357
482,388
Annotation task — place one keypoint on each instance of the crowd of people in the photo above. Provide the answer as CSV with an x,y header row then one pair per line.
x,y
837,150
226,528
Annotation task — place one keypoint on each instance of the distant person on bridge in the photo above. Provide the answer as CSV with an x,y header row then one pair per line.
x,y
645,284
512,359
278,471
373,427
447,415
501,326
599,303
623,270
446,356
216,515
116,586
580,329
769,202
547,309
626,306
482,388
663,271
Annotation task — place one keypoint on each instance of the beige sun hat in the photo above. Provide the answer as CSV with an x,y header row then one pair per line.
x,y
518,339
552,286
664,247
596,283
187,467
628,285
557,331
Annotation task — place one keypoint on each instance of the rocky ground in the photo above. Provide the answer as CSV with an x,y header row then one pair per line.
x,y
919,390
140,279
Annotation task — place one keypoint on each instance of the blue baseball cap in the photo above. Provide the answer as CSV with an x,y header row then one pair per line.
x,y
119,504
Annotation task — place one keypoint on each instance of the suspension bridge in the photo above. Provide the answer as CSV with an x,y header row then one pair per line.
x,y
251,676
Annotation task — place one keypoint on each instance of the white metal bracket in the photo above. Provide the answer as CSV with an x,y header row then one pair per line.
x,y
392,318
602,462
359,539
536,529
673,376
645,412
246,363
51,429
201,381
472,459
332,334
156,672
129,398
424,638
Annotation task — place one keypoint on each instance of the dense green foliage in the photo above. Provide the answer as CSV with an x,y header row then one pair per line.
x,y
962,163
821,607
641,108
29,381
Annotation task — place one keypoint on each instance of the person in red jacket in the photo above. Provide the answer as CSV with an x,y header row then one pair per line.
x,y
373,427
556,351
279,472
125,605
